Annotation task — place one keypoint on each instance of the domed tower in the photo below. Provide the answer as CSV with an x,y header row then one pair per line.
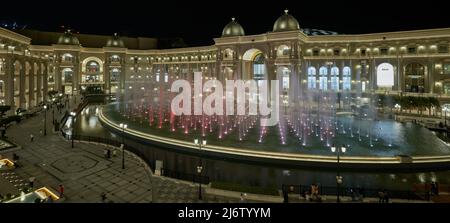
x,y
115,41
286,22
68,39
233,29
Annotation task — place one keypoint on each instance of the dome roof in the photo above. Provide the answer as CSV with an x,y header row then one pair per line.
x,y
115,41
286,22
233,29
68,39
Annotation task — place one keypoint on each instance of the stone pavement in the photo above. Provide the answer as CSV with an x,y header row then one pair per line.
x,y
86,173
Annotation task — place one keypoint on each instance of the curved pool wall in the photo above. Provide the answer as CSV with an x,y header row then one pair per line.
x,y
263,175
432,162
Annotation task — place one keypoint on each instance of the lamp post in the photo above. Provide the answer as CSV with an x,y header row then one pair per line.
x,y
338,175
200,166
45,120
123,127
73,114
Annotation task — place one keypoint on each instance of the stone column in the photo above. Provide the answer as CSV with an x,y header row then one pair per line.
x,y
22,99
38,83
45,82
31,85
76,78
9,87
106,75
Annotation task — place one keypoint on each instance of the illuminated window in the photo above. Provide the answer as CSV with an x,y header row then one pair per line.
x,y
346,78
323,79
446,68
335,78
285,79
311,77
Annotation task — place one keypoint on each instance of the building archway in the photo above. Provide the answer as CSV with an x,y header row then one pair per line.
x,y
415,77
92,75
254,65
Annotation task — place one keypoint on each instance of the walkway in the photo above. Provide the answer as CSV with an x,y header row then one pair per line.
x,y
85,173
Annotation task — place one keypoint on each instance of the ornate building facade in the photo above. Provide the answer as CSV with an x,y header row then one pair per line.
x,y
416,62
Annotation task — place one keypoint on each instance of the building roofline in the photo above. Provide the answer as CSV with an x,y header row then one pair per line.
x,y
6,33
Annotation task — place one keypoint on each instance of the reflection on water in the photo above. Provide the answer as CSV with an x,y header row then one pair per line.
x,y
259,175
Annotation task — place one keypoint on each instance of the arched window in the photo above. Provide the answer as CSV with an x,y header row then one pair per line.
x,y
67,57
258,67
415,78
311,78
323,79
335,78
283,51
385,75
115,75
92,67
115,58
285,78
67,74
346,78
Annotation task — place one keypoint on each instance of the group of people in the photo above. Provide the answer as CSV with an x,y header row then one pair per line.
x,y
313,194
107,153
383,197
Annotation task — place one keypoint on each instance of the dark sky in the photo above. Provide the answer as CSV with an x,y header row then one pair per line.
x,y
197,22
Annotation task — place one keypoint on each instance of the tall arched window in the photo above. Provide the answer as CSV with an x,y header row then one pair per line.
x,y
115,75
67,74
311,78
346,78
335,78
323,79
258,67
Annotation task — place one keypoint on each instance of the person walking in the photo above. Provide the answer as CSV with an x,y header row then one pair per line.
x,y
61,191
31,137
103,197
31,180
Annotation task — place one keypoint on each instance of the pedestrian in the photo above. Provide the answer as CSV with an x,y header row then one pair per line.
x,y
108,154
103,197
386,197
49,199
380,197
105,153
31,137
31,180
61,191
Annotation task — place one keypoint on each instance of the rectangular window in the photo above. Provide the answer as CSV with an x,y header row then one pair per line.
x,y
412,50
363,52
315,52
384,51
443,48
347,83
336,52
446,68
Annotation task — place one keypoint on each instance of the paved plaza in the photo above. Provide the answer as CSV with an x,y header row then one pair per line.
x,y
85,173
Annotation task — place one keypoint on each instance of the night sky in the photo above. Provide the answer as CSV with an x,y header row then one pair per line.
x,y
197,22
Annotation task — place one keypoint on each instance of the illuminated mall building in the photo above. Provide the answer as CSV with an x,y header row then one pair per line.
x,y
407,61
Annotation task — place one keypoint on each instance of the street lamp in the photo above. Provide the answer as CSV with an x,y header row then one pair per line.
x,y
73,114
45,120
338,151
397,106
123,127
200,166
